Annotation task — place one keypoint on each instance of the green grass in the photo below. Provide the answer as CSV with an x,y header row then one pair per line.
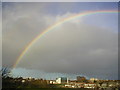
x,y
47,89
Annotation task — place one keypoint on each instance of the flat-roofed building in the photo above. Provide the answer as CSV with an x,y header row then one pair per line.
x,y
62,80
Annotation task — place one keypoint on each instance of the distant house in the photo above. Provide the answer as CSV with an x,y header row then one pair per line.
x,y
112,84
89,85
52,82
104,85
93,79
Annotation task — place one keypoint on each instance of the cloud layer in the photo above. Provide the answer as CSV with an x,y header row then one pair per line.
x,y
73,47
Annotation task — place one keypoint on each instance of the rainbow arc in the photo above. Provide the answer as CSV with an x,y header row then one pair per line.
x,y
52,27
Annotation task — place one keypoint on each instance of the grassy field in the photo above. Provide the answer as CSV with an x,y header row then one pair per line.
x,y
46,89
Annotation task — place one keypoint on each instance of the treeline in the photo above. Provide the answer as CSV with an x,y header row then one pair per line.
x,y
10,82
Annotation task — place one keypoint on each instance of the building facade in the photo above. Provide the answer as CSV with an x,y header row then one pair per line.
x,y
62,80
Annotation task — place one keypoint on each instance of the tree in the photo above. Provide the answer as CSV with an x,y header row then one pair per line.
x,y
5,72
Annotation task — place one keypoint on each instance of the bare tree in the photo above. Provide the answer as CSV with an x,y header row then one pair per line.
x,y
5,72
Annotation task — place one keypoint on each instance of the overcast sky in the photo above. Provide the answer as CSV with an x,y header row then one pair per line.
x,y
84,46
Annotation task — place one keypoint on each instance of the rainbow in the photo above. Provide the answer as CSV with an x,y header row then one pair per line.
x,y
52,27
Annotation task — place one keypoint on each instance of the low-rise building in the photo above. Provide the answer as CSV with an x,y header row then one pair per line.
x,y
89,85
52,82
62,80
93,79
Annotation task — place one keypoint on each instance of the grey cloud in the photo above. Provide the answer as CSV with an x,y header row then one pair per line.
x,y
21,23
82,49
69,48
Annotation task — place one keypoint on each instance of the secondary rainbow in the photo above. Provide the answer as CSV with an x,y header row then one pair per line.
x,y
52,27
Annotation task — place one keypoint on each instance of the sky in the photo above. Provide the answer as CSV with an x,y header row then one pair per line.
x,y
85,46
60,0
